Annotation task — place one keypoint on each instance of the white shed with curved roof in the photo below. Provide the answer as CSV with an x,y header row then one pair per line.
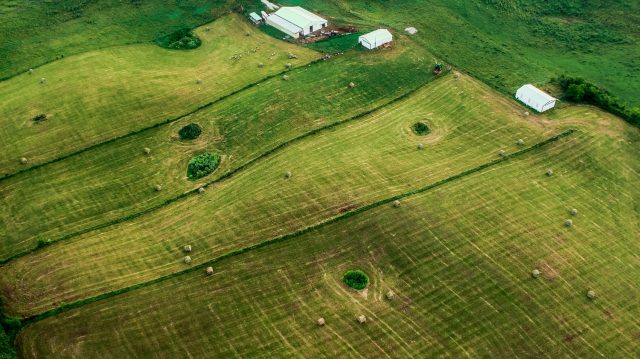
x,y
535,98
375,38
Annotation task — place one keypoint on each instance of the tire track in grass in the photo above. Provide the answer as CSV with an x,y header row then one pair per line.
x,y
300,232
225,176
163,123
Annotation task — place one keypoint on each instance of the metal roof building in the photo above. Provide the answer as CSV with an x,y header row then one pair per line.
x,y
375,38
535,98
296,21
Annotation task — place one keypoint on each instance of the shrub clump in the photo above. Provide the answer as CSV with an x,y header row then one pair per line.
x,y
356,279
39,118
580,91
202,165
190,132
421,128
182,39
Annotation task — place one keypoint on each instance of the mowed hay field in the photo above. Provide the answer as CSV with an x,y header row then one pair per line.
x,y
332,172
458,258
117,179
108,250
98,95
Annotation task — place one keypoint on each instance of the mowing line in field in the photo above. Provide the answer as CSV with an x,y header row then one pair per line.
x,y
222,178
159,124
282,238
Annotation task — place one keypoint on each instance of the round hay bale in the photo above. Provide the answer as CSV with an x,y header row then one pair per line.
x,y
591,294
187,248
396,203
502,153
288,65
23,160
352,85
520,142
201,190
187,260
260,65
321,322
247,33
549,172
147,151
285,77
288,174
526,113
361,319
43,80
209,270
158,188
420,146
568,223
390,295
573,212
199,81
30,71
535,273
292,56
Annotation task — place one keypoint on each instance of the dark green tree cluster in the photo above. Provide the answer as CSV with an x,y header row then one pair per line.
x,y
182,39
190,132
421,128
356,279
578,90
202,165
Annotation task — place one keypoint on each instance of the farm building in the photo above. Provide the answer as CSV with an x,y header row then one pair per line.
x,y
535,98
296,21
255,18
375,39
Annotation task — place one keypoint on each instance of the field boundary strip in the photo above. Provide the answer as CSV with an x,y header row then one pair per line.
x,y
159,124
222,178
285,237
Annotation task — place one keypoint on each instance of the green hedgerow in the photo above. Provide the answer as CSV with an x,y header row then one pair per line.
x,y
421,128
182,39
356,279
190,131
202,165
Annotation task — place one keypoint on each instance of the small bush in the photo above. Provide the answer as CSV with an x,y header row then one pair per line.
x,y
182,39
356,279
202,165
190,131
421,128
39,118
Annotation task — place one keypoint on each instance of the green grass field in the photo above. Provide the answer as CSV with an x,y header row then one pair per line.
x,y
464,250
134,86
77,193
316,178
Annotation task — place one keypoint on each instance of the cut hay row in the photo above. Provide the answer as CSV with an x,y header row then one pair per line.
x,y
460,271
132,86
110,184
362,162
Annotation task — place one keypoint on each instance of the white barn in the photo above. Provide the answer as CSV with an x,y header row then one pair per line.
x,y
535,98
375,38
296,21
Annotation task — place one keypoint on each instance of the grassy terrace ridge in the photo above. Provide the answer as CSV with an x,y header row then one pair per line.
x,y
137,86
77,200
458,266
81,27
345,215
360,162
